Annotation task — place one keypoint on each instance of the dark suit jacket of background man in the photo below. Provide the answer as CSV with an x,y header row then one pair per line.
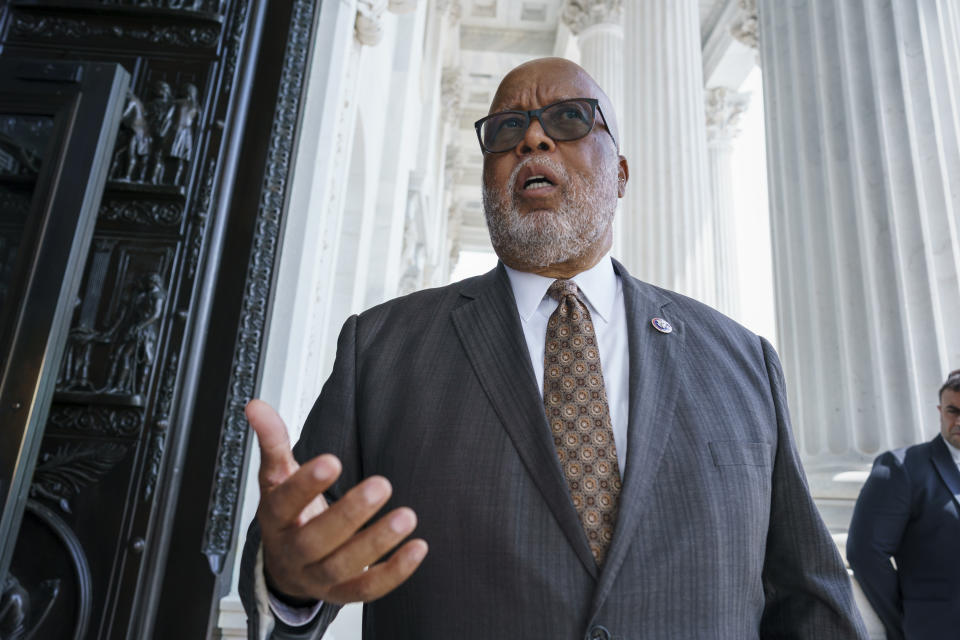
x,y
909,508
717,536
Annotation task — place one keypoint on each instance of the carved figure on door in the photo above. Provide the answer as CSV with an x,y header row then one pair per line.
x,y
135,338
139,142
181,147
160,112
75,371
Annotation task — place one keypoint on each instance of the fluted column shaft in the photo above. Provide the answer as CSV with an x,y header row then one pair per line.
x,y
724,107
667,230
725,241
601,54
598,27
864,164
597,24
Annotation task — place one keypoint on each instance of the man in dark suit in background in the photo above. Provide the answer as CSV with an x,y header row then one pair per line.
x,y
587,455
909,510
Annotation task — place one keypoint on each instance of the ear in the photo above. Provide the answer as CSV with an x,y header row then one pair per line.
x,y
623,174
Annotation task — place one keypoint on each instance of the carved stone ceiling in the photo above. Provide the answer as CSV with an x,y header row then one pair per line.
x,y
495,36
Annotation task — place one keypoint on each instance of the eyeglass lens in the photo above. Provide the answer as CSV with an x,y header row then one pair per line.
x,y
567,120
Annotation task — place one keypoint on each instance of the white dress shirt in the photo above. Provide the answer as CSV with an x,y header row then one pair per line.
x,y
603,293
954,452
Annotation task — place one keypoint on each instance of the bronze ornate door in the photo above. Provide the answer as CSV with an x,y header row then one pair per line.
x,y
135,492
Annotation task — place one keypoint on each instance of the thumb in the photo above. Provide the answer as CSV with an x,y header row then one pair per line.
x,y
276,457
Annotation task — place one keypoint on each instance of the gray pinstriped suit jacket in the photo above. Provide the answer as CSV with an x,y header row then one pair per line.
x,y
717,536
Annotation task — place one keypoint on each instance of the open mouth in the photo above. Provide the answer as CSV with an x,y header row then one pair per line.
x,y
537,179
537,182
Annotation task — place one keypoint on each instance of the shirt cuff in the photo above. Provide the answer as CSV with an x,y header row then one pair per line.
x,y
265,617
270,606
292,616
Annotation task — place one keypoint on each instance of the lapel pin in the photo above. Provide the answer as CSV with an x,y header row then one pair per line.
x,y
661,325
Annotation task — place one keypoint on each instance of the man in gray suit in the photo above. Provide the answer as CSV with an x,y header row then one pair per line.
x,y
659,495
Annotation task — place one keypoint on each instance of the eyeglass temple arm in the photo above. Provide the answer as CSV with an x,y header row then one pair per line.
x,y
607,127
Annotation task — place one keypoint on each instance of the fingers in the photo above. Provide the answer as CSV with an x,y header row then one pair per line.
x,y
341,521
317,550
366,547
276,457
285,504
382,578
326,557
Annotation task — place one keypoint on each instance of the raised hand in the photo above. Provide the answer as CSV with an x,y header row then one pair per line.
x,y
316,551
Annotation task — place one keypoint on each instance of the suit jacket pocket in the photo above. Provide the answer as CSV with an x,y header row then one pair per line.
x,y
733,453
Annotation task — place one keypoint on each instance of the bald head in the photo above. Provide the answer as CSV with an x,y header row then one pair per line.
x,y
550,203
547,80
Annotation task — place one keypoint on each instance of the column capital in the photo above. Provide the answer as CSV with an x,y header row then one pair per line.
x,y
368,27
580,14
723,108
745,27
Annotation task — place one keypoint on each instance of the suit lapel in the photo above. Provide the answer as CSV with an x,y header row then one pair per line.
x,y
946,467
489,329
653,384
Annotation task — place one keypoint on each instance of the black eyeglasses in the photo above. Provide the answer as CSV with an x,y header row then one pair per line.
x,y
563,121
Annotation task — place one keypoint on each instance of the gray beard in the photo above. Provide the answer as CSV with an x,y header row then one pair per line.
x,y
544,237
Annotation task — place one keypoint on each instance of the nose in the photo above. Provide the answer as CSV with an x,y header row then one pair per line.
x,y
535,138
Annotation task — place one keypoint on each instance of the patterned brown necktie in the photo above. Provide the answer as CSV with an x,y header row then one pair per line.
x,y
575,400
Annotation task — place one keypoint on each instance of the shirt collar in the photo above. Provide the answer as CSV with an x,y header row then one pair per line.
x,y
598,285
952,449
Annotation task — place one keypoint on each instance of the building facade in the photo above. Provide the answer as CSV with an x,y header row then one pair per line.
x,y
833,228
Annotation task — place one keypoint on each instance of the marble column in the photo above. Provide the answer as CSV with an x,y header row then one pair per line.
x,y
413,255
861,102
597,24
451,96
724,107
667,228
